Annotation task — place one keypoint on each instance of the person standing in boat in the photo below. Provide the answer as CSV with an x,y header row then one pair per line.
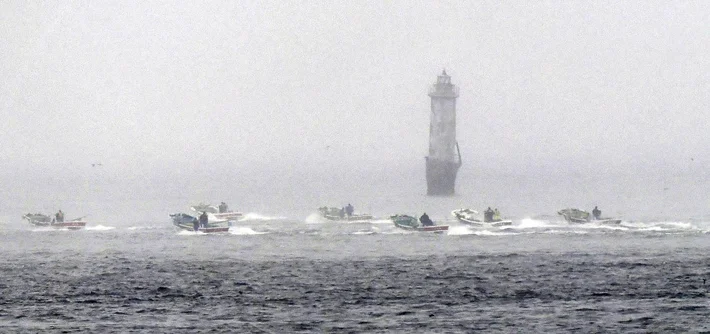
x,y
425,220
496,215
203,219
195,224
59,216
222,207
488,215
349,209
596,213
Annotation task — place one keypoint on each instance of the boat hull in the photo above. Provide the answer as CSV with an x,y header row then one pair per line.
x,y
348,218
72,225
480,223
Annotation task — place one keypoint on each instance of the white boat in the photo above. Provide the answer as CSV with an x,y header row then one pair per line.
x,y
336,214
473,217
577,216
215,212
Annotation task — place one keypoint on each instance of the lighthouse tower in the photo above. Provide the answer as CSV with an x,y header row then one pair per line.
x,y
444,158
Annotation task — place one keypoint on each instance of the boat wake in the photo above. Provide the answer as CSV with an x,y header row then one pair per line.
x,y
191,233
315,218
99,228
244,230
662,226
467,230
529,223
253,216
369,232
137,228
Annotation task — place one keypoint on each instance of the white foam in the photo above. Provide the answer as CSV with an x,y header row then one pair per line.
x,y
492,233
315,218
565,232
257,216
134,228
99,228
243,230
47,229
654,229
363,232
601,227
673,225
459,230
532,223
465,230
186,232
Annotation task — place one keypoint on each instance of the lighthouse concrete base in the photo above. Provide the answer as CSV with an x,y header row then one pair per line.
x,y
441,177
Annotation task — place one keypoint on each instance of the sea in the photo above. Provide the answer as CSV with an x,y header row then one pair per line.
x,y
284,269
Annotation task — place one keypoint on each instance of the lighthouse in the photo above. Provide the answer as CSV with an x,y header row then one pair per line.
x,y
444,157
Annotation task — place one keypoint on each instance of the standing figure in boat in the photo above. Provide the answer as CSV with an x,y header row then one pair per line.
x,y
59,217
222,207
425,220
195,224
496,215
349,210
596,213
488,215
203,219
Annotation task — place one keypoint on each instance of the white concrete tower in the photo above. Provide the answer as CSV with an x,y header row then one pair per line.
x,y
444,158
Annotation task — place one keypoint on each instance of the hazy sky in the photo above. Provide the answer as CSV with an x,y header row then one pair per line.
x,y
553,85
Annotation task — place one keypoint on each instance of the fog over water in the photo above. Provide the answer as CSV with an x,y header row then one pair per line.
x,y
286,106
125,112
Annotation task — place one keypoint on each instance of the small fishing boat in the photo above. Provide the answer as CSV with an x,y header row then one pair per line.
x,y
186,222
576,216
222,214
472,217
336,214
42,220
412,224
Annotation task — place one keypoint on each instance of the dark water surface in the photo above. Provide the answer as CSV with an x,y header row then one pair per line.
x,y
285,276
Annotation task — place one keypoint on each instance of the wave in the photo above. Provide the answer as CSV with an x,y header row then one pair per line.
x,y
565,232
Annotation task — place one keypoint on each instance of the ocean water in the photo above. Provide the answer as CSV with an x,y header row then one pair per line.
x,y
274,274
284,269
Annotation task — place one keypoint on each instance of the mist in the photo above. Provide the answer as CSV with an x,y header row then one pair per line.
x,y
580,98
